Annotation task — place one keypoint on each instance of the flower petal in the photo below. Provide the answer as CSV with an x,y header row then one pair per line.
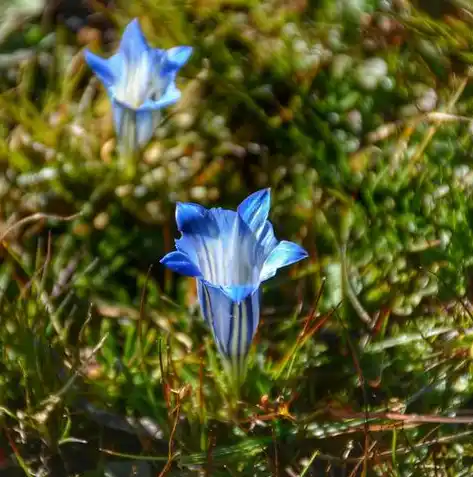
x,y
158,56
101,67
124,120
174,59
266,240
233,324
220,243
181,263
235,252
200,238
190,217
285,253
238,293
178,56
146,123
133,128
170,96
133,44
254,209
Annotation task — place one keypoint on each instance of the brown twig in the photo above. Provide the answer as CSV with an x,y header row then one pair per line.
x,y
34,218
177,410
406,418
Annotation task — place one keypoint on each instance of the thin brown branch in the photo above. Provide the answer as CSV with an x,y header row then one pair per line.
x,y
407,418
34,218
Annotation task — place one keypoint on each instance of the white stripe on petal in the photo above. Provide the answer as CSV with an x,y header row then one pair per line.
x,y
125,125
234,345
146,123
134,86
233,323
228,258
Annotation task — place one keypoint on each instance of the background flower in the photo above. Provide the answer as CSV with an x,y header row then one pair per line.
x,y
140,82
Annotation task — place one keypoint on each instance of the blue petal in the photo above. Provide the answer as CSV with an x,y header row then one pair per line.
x,y
222,245
178,55
119,111
158,56
266,240
180,262
186,244
233,324
200,237
146,123
133,44
124,120
236,254
238,293
192,218
170,96
285,253
101,67
133,128
173,60
254,209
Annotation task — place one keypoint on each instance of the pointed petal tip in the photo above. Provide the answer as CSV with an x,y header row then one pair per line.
x,y
254,210
165,259
284,254
133,42
103,68
133,27
297,249
258,198
179,55
91,58
188,216
261,193
294,249
180,263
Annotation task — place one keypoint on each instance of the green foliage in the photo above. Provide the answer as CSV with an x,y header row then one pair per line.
x,y
357,115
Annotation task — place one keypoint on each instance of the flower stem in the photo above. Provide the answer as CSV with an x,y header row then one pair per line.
x,y
127,165
235,373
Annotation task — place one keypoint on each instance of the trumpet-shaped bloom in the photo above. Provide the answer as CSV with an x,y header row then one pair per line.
x,y
140,81
230,253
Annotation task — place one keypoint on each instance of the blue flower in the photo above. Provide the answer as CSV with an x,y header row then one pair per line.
x,y
140,82
230,253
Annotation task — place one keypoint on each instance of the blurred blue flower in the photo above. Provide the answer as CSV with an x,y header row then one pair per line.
x,y
230,253
140,82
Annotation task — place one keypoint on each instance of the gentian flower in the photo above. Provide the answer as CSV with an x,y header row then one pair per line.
x,y
230,253
140,81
